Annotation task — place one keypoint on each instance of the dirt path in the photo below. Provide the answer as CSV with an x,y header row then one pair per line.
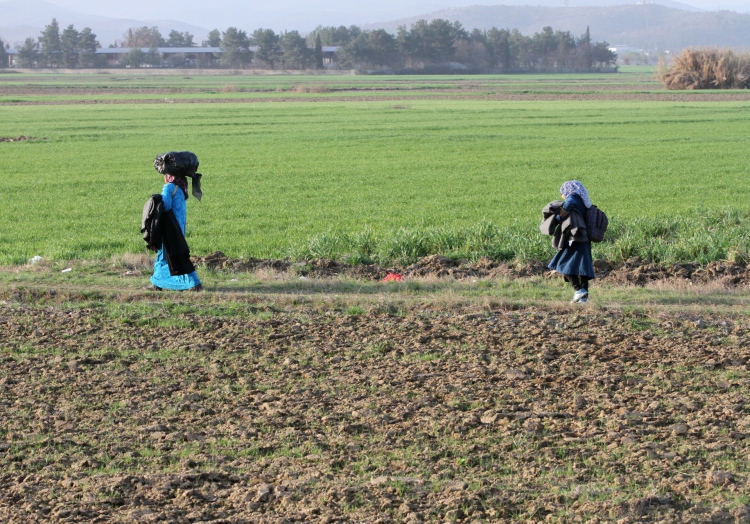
x,y
263,411
670,96
634,271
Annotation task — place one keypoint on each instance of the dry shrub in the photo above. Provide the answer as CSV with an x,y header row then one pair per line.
x,y
707,68
135,261
738,256
229,88
310,89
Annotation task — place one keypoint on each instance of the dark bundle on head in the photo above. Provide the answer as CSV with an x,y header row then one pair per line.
x,y
181,164
177,163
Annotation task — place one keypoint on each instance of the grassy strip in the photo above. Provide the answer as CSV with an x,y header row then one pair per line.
x,y
701,237
241,294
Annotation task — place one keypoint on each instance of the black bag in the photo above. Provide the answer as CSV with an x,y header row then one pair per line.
x,y
160,228
150,222
184,164
176,249
177,163
596,224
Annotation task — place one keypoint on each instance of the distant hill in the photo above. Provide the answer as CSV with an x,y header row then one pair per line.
x,y
649,26
20,19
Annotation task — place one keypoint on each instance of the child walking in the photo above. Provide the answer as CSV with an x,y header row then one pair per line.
x,y
573,260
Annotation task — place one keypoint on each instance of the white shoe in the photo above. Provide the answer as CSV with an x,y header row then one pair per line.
x,y
581,296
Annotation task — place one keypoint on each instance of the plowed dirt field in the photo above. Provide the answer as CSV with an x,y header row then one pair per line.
x,y
169,408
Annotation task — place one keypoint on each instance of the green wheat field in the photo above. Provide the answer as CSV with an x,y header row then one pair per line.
x,y
372,168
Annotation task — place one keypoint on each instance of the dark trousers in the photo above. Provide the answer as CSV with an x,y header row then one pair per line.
x,y
578,282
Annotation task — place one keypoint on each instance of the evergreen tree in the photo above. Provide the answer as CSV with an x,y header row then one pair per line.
x,y
69,47
520,50
152,57
269,51
177,39
87,46
235,50
382,47
601,54
542,45
477,35
143,37
585,53
355,54
135,58
296,54
214,39
586,37
430,41
28,54
499,48
3,55
318,52
458,32
334,36
51,47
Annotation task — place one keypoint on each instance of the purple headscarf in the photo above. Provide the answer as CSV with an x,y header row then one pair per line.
x,y
574,187
179,181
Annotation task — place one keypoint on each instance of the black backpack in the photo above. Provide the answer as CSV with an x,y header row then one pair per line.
x,y
596,224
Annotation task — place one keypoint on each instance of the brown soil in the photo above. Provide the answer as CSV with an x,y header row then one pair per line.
x,y
91,91
303,413
17,139
477,89
670,96
634,271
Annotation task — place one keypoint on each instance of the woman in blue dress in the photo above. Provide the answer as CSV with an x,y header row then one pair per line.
x,y
574,261
174,194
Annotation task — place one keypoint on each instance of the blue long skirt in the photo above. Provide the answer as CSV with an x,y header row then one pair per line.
x,y
574,260
161,277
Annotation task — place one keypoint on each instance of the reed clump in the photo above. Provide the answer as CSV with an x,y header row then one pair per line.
x,y
310,89
707,68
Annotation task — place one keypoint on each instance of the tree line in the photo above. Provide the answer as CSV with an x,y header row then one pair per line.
x,y
423,45
441,41
68,48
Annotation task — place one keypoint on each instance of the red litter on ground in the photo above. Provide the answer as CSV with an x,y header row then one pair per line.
x,y
393,277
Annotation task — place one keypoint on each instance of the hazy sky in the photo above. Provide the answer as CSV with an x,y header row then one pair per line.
x,y
224,13
252,13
